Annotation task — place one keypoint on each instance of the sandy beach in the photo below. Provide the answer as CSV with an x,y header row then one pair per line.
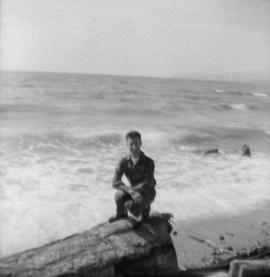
x,y
212,243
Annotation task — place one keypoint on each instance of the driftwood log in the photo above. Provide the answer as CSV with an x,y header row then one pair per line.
x,y
121,248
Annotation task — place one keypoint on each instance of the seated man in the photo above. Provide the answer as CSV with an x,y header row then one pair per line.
x,y
139,170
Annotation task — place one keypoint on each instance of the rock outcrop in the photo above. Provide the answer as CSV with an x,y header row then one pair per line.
x,y
121,248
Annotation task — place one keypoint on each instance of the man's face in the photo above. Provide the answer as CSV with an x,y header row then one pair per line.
x,y
134,146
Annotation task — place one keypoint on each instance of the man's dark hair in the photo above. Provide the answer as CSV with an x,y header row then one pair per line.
x,y
133,134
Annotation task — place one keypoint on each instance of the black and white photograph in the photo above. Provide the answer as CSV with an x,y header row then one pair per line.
x,y
134,138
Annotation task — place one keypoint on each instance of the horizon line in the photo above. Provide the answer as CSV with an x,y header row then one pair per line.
x,y
186,76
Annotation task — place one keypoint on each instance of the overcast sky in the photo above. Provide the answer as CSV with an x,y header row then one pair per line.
x,y
136,37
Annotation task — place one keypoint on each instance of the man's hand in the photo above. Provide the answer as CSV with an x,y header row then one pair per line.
x,y
136,196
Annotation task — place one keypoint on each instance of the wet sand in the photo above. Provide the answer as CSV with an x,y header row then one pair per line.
x,y
212,243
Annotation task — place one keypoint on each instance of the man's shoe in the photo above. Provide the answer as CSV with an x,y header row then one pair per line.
x,y
117,217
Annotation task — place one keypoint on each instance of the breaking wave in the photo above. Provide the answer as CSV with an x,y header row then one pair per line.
x,y
236,106
259,94
229,140
59,142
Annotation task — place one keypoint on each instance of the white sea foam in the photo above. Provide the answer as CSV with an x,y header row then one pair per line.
x,y
239,106
49,200
219,91
259,94
206,187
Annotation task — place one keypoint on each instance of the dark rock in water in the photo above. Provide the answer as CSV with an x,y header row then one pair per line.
x,y
121,248
245,151
221,237
211,151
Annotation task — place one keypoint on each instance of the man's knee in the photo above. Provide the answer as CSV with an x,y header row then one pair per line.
x,y
120,196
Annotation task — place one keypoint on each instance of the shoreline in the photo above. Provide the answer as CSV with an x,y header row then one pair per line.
x,y
212,243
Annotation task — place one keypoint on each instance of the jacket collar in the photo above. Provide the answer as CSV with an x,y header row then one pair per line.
x,y
142,156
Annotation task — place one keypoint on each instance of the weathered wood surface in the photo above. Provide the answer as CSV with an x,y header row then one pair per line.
x,y
115,249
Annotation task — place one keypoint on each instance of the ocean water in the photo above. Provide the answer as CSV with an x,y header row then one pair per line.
x,y
61,136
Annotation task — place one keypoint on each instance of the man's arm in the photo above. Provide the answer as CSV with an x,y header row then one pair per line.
x,y
149,179
117,179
